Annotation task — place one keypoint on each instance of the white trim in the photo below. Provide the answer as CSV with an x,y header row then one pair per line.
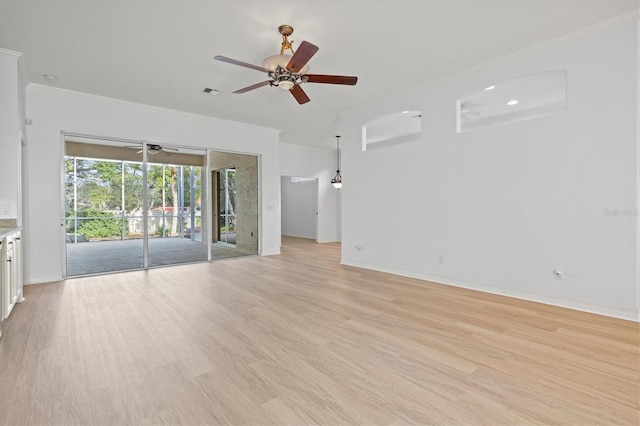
x,y
145,205
260,204
11,52
22,69
63,208
600,310
638,166
207,199
300,236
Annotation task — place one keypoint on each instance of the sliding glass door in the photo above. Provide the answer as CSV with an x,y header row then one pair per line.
x,y
105,214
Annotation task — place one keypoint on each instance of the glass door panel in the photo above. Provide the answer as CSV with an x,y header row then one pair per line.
x,y
227,206
102,196
175,222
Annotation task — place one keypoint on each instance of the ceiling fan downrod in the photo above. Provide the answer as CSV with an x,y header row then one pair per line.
x,y
286,31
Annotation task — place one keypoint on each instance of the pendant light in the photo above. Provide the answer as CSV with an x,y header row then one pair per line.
x,y
337,180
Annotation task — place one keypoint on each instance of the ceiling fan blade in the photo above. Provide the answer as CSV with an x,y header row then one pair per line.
x,y
302,56
300,95
242,64
252,87
331,79
168,148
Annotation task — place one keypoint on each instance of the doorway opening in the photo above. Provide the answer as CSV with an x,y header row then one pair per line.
x,y
299,206
234,204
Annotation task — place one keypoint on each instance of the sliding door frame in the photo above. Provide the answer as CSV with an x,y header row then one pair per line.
x,y
64,135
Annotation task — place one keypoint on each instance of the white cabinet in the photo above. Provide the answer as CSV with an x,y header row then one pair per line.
x,y
10,274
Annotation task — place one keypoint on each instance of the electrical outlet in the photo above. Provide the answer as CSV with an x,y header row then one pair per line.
x,y
442,258
359,248
4,209
558,275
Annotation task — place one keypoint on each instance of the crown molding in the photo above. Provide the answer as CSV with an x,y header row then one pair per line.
x,y
11,52
58,90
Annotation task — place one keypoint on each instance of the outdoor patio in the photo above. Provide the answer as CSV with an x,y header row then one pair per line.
x,y
120,255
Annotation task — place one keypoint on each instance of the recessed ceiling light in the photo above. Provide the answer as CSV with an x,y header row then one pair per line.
x,y
406,112
210,91
50,77
490,88
512,102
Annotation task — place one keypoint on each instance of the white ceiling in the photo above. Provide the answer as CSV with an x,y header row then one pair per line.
x,y
160,52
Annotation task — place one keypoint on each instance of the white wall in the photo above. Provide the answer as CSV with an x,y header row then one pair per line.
x,y
298,212
638,167
506,206
54,111
319,163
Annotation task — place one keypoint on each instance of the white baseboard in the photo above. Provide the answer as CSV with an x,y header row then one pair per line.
x,y
600,310
299,236
44,280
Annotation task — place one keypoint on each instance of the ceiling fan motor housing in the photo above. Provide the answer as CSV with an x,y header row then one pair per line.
x,y
285,79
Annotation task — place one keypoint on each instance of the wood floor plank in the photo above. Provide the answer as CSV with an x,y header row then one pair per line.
x,y
300,339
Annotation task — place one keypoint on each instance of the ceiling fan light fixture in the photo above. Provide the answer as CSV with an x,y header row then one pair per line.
x,y
272,62
286,84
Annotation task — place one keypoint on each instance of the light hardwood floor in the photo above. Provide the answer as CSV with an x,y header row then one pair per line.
x,y
299,339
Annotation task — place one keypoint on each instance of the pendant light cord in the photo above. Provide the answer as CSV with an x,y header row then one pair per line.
x,y
338,149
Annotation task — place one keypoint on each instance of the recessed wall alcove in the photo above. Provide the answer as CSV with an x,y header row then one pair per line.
x,y
392,129
525,97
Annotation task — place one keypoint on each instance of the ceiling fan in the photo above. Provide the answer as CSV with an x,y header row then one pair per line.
x,y
288,72
154,148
